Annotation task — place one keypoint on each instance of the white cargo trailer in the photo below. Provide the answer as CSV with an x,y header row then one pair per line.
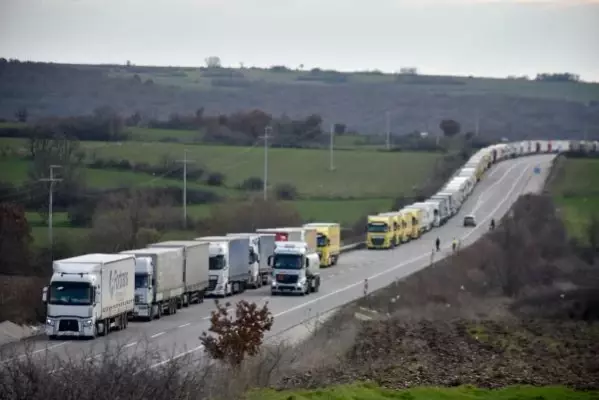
x,y
295,234
262,246
89,295
159,283
229,270
195,270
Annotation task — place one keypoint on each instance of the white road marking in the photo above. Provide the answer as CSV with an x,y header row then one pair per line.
x,y
130,344
361,282
184,325
157,334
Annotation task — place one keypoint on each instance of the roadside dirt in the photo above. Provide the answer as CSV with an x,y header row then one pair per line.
x,y
517,307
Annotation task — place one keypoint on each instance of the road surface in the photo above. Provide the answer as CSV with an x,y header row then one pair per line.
x,y
178,335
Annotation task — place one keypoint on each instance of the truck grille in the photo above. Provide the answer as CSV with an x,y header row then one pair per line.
x,y
68,325
286,279
212,284
378,241
137,297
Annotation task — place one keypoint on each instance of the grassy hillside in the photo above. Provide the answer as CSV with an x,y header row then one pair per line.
x,y
360,183
506,107
373,392
357,174
576,193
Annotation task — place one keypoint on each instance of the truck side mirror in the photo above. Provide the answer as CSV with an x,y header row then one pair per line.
x,y
307,262
269,261
45,294
96,296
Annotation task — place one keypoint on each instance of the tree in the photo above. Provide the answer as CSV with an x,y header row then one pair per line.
x,y
212,62
450,127
240,337
15,237
46,149
131,219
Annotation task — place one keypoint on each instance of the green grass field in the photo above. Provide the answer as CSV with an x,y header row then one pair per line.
x,y
360,177
576,193
372,392
358,174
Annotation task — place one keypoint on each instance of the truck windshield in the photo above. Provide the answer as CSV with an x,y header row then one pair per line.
x,y
216,263
321,240
142,281
287,261
377,227
70,293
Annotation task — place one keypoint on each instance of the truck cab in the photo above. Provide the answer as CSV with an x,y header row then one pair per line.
x,y
328,242
218,267
380,233
397,226
414,216
296,269
72,300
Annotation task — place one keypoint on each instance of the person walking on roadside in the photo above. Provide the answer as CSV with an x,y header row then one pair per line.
x,y
454,245
438,244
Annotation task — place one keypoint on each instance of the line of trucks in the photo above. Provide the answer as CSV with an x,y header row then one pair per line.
x,y
390,229
92,294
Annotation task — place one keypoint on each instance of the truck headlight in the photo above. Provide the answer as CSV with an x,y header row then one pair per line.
x,y
50,322
87,322
273,283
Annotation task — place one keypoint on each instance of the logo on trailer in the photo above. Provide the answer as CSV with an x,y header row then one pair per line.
x,y
281,236
117,281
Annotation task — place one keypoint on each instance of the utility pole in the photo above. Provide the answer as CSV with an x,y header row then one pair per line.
x,y
52,180
267,131
332,149
388,129
185,161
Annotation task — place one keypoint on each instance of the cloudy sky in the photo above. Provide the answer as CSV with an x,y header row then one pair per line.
x,y
465,37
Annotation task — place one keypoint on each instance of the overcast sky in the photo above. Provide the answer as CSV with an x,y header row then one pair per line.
x,y
464,37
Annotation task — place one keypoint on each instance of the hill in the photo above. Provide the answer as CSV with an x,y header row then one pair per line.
x,y
513,108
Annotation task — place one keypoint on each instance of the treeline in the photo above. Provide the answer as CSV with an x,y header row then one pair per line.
x,y
239,128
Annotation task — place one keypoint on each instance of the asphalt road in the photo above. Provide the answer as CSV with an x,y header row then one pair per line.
x,y
178,335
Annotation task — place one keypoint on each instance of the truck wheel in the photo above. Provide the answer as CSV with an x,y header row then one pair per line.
x,y
317,286
125,321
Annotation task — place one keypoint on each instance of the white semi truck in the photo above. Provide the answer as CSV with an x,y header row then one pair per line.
x,y
196,257
296,268
159,284
229,271
89,295
262,245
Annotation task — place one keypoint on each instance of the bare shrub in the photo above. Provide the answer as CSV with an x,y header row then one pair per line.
x,y
236,338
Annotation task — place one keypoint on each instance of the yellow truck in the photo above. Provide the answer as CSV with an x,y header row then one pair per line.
x,y
380,234
328,240
415,215
397,226
406,227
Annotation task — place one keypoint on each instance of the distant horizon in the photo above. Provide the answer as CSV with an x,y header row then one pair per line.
x,y
305,69
485,38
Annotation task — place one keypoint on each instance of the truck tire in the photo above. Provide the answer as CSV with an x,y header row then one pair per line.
x,y
317,286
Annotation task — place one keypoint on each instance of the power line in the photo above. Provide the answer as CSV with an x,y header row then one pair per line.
x,y
52,180
185,161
